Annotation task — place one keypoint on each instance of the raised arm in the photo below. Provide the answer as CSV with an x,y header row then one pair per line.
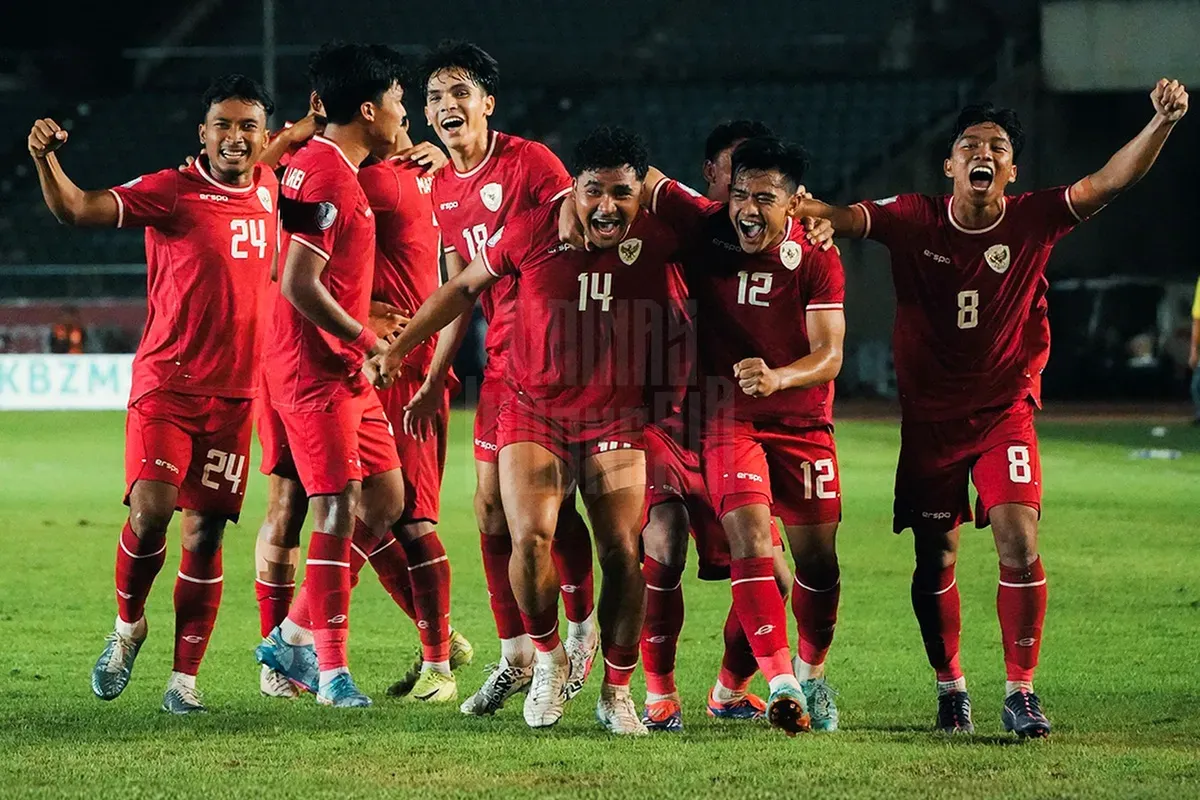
x,y
848,221
826,333
450,303
69,204
1131,163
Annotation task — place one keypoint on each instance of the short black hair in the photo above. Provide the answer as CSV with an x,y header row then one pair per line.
x,y
725,134
472,59
771,154
236,87
979,113
609,147
345,76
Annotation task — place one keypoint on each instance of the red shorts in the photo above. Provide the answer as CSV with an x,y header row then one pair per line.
x,y
570,440
997,449
421,462
348,440
673,475
199,444
272,437
792,470
493,394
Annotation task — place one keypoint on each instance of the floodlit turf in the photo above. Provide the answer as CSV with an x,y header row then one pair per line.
x,y
1118,677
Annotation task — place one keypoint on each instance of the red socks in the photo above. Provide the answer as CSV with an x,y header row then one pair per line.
x,y
815,606
273,602
664,621
497,550
138,562
760,609
429,573
936,604
327,584
1021,604
197,597
542,628
572,553
619,663
738,664
391,565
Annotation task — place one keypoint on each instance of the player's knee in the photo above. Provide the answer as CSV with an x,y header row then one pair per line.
x,y
150,519
749,531
620,557
666,534
203,534
489,513
1014,528
531,536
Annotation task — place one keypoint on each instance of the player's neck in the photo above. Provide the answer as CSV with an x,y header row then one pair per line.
x,y
237,179
351,140
472,153
974,216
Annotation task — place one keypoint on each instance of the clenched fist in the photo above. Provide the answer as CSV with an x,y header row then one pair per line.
x,y
45,137
757,379
1170,99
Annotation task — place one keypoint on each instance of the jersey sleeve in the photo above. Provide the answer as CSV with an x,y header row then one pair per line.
x,y
826,281
889,218
382,187
1048,214
329,202
546,176
502,254
147,201
682,208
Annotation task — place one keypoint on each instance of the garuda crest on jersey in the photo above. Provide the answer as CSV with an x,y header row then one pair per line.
x,y
629,250
997,257
264,197
491,194
790,254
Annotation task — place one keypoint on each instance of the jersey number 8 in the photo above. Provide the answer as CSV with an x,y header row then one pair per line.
x,y
968,309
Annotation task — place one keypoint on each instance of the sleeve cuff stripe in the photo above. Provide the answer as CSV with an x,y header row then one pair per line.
x,y
654,195
1071,206
310,246
824,306
120,207
488,265
867,215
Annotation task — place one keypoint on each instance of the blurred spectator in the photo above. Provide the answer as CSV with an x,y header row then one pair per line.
x,y
67,335
1194,356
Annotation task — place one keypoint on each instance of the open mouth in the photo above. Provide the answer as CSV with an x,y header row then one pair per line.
x,y
981,177
453,123
750,230
234,153
606,226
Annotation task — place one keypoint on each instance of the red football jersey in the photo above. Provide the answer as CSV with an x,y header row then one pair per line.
x,y
305,366
753,305
209,248
515,176
407,267
971,330
589,321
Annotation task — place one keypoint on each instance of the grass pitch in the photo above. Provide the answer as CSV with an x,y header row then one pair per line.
x,y
1118,678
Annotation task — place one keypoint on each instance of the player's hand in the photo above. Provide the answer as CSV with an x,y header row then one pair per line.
x,y
45,137
427,154
1170,99
420,413
187,164
371,368
757,379
570,229
819,231
386,320
304,129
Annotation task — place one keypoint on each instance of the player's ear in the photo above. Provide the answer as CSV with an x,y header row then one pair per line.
x,y
1012,177
489,105
200,132
367,109
947,169
793,205
709,171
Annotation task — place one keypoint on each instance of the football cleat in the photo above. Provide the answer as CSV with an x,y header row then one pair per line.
x,y
403,686
581,655
502,683
748,706
787,711
954,713
616,712
1023,715
434,687
276,684
462,653
113,668
341,692
822,711
297,662
663,715
547,694
182,699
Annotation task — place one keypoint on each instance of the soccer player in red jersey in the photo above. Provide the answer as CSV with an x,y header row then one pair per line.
x,y
337,433
580,353
970,341
769,315
210,241
494,176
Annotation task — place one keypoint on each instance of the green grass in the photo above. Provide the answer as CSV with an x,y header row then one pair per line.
x,y
1120,539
